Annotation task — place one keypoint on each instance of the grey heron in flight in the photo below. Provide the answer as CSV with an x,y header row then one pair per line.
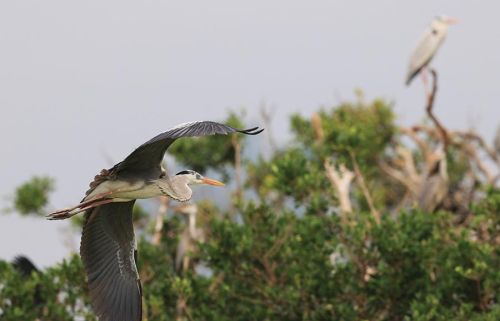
x,y
107,246
427,46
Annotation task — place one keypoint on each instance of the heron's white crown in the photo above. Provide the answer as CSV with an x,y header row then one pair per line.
x,y
193,178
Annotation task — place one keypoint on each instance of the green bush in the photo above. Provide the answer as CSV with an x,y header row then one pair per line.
x,y
285,254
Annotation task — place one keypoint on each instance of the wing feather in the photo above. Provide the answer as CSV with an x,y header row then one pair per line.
x,y
147,158
107,251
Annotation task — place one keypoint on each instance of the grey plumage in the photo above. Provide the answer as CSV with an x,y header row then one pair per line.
x,y
108,243
427,46
107,251
434,187
496,142
146,159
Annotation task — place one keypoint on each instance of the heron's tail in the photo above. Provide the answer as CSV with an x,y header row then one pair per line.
x,y
82,207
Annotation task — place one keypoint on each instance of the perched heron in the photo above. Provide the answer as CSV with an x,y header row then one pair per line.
x,y
108,244
427,46
435,184
189,238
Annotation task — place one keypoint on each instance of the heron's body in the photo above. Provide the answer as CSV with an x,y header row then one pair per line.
x,y
428,46
123,190
108,242
434,187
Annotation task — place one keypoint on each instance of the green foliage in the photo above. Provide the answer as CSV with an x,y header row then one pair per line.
x,y
277,266
363,129
57,293
32,196
287,255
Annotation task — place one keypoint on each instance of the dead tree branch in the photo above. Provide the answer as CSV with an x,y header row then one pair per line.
x,y
430,112
364,188
160,216
340,179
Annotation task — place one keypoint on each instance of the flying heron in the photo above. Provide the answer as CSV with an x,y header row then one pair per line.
x,y
108,244
427,47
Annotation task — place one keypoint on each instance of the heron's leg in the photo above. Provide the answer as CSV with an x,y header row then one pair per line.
x,y
424,74
61,215
85,203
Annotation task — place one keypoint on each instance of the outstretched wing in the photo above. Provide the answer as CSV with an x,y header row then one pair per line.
x,y
146,159
107,250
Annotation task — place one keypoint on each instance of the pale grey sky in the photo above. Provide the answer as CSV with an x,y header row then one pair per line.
x,y
85,80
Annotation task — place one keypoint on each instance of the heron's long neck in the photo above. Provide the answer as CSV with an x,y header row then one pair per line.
x,y
175,187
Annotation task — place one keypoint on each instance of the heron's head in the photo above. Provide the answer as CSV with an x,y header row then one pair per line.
x,y
195,178
445,20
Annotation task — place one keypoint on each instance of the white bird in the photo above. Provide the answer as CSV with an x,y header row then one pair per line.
x,y
428,45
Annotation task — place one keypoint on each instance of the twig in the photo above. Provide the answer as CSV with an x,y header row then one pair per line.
x,y
267,118
397,175
162,211
341,181
279,242
237,166
318,129
364,188
411,132
429,109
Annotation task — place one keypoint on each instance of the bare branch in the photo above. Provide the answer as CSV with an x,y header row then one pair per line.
x,y
341,181
318,129
162,211
237,166
267,118
423,146
364,188
429,109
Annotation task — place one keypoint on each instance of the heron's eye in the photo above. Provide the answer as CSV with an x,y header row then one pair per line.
x,y
434,32
198,176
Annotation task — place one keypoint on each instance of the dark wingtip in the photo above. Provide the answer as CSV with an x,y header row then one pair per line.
x,y
251,131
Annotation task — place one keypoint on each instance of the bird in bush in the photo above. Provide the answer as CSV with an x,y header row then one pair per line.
x,y
108,243
435,184
189,238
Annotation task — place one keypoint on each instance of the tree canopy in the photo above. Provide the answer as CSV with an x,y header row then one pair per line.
x,y
328,227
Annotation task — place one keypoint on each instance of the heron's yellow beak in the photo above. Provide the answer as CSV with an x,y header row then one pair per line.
x,y
452,21
213,182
